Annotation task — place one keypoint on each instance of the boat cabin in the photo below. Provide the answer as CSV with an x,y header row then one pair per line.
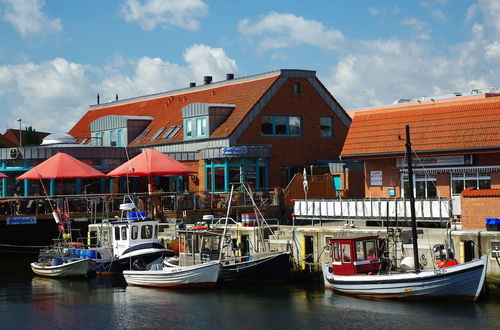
x,y
122,235
353,256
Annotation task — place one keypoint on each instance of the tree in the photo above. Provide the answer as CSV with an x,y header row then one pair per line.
x,y
31,137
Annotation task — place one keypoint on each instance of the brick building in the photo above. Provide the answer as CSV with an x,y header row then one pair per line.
x,y
260,129
455,140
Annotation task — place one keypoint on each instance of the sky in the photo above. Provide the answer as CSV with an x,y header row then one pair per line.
x,y
56,56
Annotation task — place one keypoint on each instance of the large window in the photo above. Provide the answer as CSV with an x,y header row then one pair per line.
x,y
221,173
461,181
424,186
326,126
281,125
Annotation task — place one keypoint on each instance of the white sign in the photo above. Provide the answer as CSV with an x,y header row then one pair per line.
x,y
375,178
437,161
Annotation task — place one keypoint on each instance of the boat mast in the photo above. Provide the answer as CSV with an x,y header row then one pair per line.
x,y
412,201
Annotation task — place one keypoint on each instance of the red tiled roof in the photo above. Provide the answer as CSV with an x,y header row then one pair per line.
x,y
166,107
440,127
471,192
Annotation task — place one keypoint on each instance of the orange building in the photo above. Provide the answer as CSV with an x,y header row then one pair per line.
x,y
259,129
455,140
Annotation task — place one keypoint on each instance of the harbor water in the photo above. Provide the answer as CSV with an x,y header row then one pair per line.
x,y
30,302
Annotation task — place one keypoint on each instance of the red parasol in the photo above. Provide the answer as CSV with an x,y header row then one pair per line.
x,y
151,162
61,166
3,176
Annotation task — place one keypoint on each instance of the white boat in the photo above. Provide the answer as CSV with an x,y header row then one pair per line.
x,y
361,277
200,275
57,267
355,267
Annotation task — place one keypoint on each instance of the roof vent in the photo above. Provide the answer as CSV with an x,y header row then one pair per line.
x,y
207,79
192,84
229,76
59,138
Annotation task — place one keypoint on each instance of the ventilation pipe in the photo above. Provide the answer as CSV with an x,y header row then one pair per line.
x,y
97,98
192,84
229,76
207,79
116,97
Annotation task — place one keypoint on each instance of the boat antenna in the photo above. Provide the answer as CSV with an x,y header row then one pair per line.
x,y
412,200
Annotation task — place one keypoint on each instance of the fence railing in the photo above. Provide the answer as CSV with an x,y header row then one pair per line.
x,y
373,209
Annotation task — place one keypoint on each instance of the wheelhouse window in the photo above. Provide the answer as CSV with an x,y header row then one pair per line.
x,y
135,232
346,253
124,233
365,250
326,126
146,231
117,233
336,252
281,125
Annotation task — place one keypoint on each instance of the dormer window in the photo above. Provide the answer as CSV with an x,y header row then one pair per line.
x,y
196,127
201,119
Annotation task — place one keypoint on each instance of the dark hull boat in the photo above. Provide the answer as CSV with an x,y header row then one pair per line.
x,y
270,268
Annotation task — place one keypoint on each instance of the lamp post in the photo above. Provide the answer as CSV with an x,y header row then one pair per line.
x,y
20,133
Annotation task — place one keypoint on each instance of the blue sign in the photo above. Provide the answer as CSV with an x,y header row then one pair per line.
x,y
234,151
21,221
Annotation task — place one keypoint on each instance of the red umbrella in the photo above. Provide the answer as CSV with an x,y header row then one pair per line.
x,y
3,176
61,166
151,162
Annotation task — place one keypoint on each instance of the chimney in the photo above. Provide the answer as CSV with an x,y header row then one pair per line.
x,y
117,97
192,84
97,98
207,79
229,76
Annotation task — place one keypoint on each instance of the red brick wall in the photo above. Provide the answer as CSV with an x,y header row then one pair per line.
x,y
443,185
303,150
495,180
390,178
476,209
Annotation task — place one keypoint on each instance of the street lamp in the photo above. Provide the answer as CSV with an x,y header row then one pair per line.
x,y
20,133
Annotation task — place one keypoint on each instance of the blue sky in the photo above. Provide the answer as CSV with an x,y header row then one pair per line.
x,y
55,56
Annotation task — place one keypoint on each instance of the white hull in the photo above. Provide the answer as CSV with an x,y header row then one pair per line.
x,y
460,281
205,274
75,268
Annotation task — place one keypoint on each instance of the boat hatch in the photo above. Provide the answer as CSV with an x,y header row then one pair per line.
x,y
351,256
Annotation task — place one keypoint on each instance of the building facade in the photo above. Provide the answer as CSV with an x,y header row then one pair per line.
x,y
259,129
455,143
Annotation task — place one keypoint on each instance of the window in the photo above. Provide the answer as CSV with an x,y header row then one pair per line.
x,y
188,132
336,252
157,134
171,132
461,181
281,125
365,250
146,231
201,127
346,252
424,186
124,233
142,136
117,233
135,232
326,126
327,243
221,173
84,140
296,88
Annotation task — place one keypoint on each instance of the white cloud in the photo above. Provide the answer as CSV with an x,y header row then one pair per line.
x,y
152,13
493,50
420,29
48,96
491,11
277,30
28,18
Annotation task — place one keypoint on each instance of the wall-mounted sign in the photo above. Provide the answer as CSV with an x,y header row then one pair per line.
x,y
14,153
375,178
437,161
234,151
21,221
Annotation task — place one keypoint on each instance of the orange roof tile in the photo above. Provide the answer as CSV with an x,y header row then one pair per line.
x,y
434,127
472,192
165,108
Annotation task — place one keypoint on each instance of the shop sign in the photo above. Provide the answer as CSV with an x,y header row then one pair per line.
x,y
375,178
437,161
234,151
21,221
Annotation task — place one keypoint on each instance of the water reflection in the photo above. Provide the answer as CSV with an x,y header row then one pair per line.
x,y
94,303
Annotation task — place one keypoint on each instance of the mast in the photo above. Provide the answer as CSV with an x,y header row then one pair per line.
x,y
412,201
